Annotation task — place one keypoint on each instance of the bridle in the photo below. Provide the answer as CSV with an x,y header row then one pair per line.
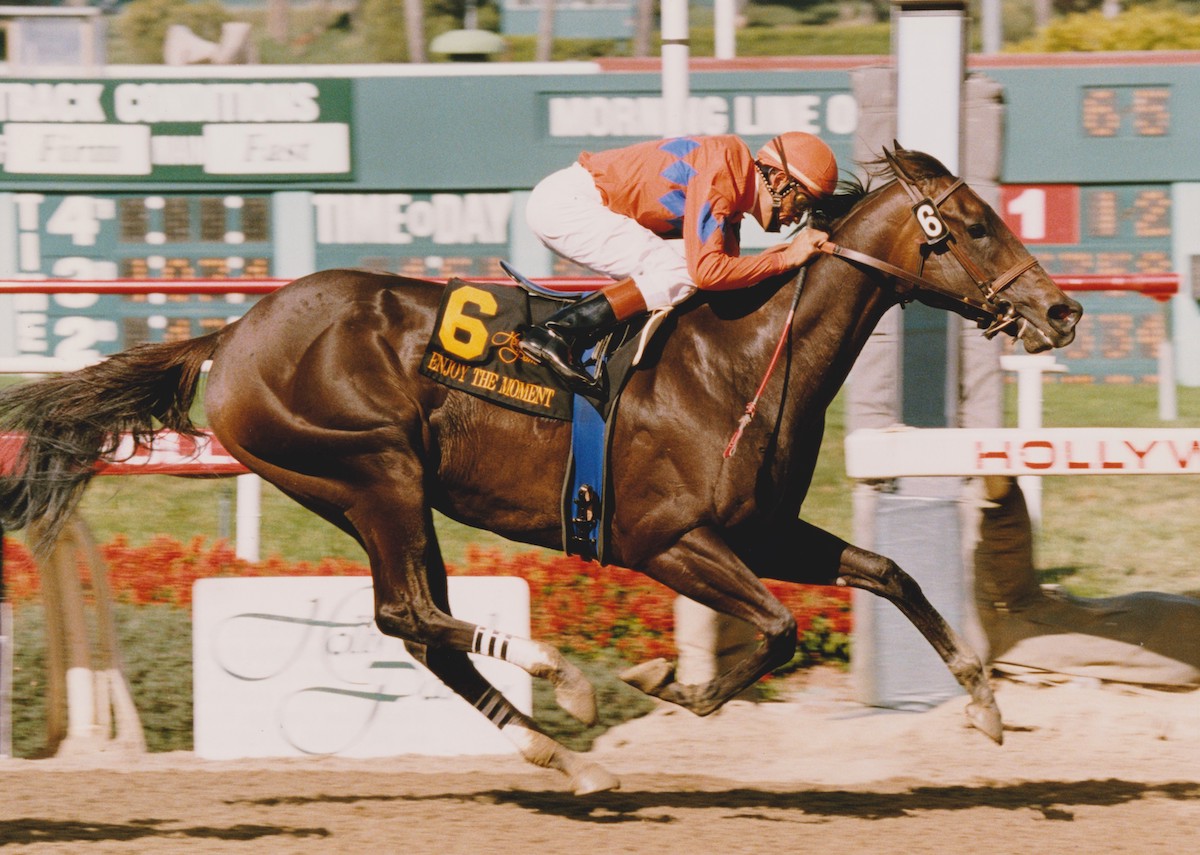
x,y
993,315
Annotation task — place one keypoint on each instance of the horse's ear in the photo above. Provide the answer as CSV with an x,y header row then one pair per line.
x,y
894,162
896,146
890,157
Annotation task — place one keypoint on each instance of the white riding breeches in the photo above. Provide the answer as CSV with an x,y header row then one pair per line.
x,y
568,215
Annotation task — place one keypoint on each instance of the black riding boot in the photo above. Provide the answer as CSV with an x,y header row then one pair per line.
x,y
581,324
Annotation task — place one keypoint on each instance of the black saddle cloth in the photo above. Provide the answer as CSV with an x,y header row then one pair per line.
x,y
475,347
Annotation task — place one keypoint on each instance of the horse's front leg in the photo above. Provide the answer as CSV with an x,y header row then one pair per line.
x,y
702,567
831,560
883,577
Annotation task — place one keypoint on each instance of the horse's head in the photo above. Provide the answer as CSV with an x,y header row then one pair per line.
x,y
970,261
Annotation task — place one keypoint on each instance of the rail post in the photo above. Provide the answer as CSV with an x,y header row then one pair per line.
x,y
1029,369
6,660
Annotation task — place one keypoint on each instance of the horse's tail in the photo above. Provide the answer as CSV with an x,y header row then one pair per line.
x,y
63,425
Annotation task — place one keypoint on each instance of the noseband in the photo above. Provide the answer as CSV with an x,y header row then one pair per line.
x,y
939,237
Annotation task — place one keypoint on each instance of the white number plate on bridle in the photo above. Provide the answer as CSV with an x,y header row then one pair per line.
x,y
931,222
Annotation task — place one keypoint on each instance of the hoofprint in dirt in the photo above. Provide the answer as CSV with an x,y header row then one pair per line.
x,y
1084,768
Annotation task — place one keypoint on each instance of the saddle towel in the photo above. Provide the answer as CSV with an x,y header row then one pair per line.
x,y
474,347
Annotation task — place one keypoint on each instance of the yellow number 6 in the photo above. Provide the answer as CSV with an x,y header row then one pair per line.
x,y
461,334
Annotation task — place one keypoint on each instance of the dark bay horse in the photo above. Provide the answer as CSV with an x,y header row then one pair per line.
x,y
317,390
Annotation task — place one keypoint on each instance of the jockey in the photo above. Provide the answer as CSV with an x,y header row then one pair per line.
x,y
614,211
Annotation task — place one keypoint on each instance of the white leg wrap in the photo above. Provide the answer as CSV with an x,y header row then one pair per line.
x,y
571,689
525,654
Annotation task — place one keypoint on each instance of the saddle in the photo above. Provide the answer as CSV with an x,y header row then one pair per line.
x,y
475,347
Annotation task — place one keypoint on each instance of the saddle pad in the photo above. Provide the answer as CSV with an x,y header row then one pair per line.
x,y
474,348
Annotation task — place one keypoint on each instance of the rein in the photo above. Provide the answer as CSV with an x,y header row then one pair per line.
x,y
752,406
937,233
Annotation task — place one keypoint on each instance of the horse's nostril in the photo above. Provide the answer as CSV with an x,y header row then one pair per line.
x,y
1064,312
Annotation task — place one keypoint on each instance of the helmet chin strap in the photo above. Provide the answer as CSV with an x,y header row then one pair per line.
x,y
777,197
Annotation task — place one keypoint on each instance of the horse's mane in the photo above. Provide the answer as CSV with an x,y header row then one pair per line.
x,y
917,165
826,213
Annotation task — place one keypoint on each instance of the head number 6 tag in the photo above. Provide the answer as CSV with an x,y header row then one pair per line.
x,y
931,222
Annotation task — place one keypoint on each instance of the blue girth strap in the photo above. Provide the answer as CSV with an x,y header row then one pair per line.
x,y
583,504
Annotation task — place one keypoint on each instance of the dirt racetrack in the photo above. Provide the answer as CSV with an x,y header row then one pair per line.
x,y
1085,769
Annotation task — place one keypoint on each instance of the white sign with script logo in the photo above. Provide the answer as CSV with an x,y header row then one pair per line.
x,y
288,667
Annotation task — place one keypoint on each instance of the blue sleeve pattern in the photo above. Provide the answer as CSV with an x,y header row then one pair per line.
x,y
674,202
709,223
678,172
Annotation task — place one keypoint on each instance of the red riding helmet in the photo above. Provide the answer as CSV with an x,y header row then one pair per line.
x,y
805,158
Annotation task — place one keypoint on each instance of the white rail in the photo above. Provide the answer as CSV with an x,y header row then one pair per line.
x,y
911,452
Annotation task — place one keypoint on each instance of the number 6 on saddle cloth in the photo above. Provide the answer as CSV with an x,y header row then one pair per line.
x,y
475,348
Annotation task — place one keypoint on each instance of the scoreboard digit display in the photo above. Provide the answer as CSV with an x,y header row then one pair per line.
x,y
224,236
1114,111
177,237
1044,214
1101,230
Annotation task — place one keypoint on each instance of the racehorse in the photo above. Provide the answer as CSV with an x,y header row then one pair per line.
x,y
317,390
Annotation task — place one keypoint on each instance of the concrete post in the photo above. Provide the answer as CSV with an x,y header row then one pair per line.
x,y
913,367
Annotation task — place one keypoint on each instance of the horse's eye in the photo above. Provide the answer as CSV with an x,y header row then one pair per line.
x,y
977,230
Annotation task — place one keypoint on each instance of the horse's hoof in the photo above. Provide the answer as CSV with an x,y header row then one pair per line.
x,y
578,699
701,706
594,779
573,692
987,718
650,677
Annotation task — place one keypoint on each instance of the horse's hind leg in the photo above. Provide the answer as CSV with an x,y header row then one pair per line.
x,y
411,603
456,670
702,567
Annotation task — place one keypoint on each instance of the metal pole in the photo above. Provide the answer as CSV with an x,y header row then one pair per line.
x,y
6,661
1029,369
993,26
249,516
674,67
929,43
701,633
725,29
919,525
930,49
1168,395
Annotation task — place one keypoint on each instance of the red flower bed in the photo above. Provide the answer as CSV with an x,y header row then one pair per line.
x,y
577,606
20,573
